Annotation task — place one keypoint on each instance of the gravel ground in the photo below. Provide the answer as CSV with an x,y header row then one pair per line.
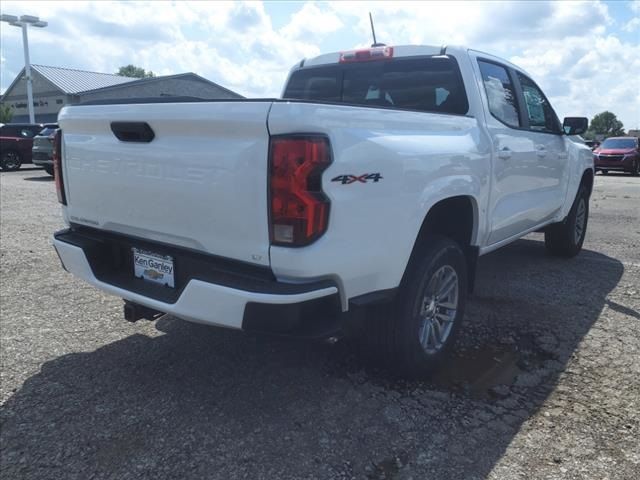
x,y
545,384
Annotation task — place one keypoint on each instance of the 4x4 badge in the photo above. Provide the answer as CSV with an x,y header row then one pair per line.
x,y
347,179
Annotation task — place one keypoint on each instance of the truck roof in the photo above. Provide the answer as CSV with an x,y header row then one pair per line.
x,y
400,51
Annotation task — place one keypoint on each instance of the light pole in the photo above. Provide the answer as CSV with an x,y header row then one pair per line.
x,y
23,22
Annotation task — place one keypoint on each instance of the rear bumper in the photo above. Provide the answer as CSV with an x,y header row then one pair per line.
x,y
214,294
42,157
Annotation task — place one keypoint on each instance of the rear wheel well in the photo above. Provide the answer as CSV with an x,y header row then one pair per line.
x,y
454,218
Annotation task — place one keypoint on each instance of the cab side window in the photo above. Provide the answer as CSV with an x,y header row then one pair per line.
x,y
541,116
500,93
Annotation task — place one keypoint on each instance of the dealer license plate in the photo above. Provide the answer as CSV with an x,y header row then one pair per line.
x,y
153,267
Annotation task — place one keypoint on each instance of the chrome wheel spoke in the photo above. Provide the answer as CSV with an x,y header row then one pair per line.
x,y
421,333
431,289
424,334
447,305
450,282
437,331
431,339
445,318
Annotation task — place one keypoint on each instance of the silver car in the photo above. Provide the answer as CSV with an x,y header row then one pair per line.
x,y
42,152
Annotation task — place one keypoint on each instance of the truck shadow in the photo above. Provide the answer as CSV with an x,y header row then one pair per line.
x,y
45,178
197,402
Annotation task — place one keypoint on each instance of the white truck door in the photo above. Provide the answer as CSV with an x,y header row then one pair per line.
x,y
516,170
550,147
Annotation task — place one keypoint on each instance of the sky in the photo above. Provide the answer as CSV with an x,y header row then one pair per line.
x,y
584,54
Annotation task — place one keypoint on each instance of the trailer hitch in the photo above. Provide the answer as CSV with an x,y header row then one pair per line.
x,y
134,312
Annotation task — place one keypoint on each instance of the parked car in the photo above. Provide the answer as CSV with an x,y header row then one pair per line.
x,y
619,154
360,201
42,151
16,142
592,144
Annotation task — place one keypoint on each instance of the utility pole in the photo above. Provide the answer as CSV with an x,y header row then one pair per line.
x,y
23,22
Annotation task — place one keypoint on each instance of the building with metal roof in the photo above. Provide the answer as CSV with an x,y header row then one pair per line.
x,y
55,87
72,81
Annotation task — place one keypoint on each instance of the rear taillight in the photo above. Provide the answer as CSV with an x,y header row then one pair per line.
x,y
57,167
299,208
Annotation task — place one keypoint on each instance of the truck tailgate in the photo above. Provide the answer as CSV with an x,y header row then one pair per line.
x,y
201,183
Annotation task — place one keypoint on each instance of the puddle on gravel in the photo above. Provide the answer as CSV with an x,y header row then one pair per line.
x,y
477,371
389,467
490,370
483,371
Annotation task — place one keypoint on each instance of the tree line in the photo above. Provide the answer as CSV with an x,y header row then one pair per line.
x,y
604,125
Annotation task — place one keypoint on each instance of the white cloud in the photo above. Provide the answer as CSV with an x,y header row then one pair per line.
x,y
632,25
568,47
571,48
587,78
472,23
310,22
231,43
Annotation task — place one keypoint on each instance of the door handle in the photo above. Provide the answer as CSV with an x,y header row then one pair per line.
x,y
563,156
132,131
541,152
504,154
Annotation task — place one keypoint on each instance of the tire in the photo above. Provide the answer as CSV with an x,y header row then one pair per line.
x,y
565,239
404,335
635,171
10,161
49,169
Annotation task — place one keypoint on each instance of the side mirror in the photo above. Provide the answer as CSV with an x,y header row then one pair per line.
x,y
575,125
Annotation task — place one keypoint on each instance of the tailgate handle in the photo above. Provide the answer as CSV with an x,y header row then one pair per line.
x,y
132,131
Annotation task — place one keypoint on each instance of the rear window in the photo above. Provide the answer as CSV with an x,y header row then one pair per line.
x,y
431,84
48,130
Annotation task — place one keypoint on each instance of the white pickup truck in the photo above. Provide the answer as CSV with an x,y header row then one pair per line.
x,y
376,181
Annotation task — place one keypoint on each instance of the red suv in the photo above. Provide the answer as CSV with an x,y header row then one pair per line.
x,y
16,142
618,153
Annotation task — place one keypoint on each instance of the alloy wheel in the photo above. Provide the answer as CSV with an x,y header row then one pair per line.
x,y
438,309
10,161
